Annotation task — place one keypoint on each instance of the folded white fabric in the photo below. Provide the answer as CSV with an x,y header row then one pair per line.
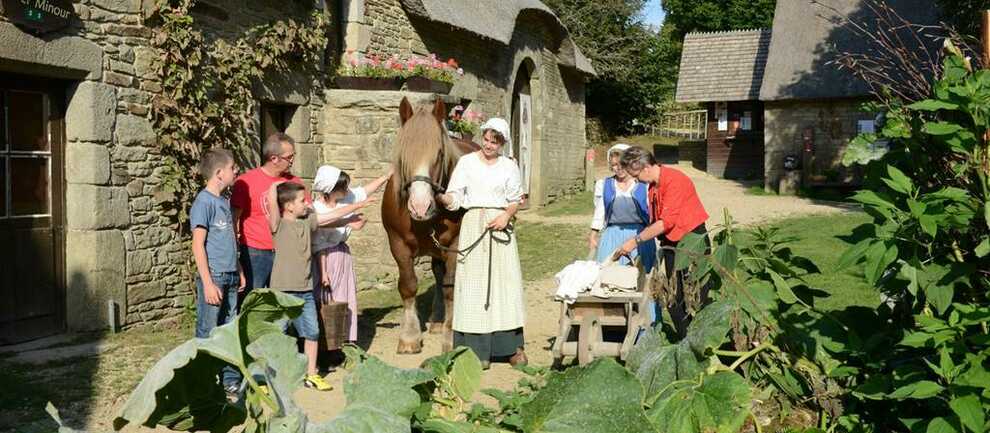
x,y
576,278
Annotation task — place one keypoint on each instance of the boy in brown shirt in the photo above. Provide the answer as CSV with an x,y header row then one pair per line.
x,y
292,224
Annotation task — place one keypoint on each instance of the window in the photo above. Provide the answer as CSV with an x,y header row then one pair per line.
x,y
746,122
722,114
274,118
25,155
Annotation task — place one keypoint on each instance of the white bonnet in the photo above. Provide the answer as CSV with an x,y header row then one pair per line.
x,y
618,148
326,178
501,126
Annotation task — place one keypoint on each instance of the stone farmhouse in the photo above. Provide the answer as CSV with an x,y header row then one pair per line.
x,y
80,167
773,94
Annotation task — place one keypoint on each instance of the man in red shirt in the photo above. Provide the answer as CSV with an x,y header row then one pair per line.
x,y
675,210
248,197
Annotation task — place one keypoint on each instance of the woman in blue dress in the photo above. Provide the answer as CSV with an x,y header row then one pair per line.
x,y
621,212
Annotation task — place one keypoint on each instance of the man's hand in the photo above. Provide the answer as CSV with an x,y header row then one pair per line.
x,y
212,293
243,284
500,222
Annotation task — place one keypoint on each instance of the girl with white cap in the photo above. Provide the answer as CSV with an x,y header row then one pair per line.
x,y
488,288
331,190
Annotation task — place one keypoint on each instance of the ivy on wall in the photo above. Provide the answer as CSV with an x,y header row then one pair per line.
x,y
207,99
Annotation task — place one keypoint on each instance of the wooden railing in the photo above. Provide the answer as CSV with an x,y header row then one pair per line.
x,y
690,125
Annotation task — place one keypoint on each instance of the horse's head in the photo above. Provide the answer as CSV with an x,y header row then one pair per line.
x,y
424,157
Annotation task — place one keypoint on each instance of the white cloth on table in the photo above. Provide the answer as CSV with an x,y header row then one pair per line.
x,y
327,237
477,184
576,278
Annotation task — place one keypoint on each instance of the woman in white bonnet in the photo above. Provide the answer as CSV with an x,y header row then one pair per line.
x,y
488,288
331,190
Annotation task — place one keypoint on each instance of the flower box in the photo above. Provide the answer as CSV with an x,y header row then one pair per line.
x,y
368,83
423,84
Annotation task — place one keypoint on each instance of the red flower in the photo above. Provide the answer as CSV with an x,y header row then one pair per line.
x,y
452,63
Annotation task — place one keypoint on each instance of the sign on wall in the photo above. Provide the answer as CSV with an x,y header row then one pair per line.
x,y
40,16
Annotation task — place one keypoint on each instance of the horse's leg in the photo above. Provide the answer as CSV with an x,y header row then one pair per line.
x,y
448,301
438,308
410,337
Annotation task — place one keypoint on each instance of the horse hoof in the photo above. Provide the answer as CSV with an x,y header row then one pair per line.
x,y
436,327
409,348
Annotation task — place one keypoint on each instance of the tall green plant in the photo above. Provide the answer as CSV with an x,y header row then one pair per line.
x,y
929,196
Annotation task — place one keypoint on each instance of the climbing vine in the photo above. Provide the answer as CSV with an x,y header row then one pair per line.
x,y
207,98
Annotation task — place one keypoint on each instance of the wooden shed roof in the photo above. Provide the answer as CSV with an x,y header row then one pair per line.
x,y
722,66
496,20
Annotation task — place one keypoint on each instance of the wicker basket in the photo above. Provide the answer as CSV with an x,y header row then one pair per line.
x,y
334,320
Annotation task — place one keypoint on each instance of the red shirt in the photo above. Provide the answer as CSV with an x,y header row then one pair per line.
x,y
674,201
249,195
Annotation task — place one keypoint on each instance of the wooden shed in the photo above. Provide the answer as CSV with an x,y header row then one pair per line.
x,y
723,71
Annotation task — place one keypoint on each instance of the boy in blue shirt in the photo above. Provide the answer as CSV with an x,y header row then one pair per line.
x,y
214,247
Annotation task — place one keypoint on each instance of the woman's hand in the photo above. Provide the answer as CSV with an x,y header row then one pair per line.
x,y
445,199
500,222
593,240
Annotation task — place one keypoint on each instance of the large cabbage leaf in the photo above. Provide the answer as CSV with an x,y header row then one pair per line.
x,y
601,397
719,403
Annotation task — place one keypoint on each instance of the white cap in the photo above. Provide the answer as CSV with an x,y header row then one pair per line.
x,y
326,178
501,126
618,148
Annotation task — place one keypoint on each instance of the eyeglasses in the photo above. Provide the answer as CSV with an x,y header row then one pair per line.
x,y
289,158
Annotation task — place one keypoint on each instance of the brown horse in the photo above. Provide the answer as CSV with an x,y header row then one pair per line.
x,y
416,224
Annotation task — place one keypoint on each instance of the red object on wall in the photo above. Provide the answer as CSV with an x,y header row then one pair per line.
x,y
808,138
590,155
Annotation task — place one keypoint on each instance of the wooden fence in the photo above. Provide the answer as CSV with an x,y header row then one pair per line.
x,y
690,125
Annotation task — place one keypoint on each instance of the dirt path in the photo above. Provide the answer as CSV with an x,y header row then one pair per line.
x,y
542,312
541,325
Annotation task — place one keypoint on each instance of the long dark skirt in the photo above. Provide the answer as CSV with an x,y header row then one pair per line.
x,y
494,346
676,304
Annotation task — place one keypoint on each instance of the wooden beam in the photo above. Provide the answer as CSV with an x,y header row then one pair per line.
x,y
985,37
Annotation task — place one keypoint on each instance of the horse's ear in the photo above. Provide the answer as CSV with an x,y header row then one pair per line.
x,y
405,111
440,110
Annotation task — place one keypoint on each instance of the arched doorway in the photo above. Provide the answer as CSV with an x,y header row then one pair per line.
x,y
522,123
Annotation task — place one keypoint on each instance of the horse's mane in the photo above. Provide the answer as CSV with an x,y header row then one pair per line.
x,y
421,140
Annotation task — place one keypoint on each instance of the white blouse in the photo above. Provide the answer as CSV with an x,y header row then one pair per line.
x,y
475,183
326,237
598,219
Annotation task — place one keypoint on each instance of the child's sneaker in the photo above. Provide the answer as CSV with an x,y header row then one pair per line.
x,y
317,382
233,392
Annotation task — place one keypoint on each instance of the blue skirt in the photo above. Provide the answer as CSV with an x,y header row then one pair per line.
x,y
612,238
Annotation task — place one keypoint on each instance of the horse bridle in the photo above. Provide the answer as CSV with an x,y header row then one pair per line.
x,y
437,188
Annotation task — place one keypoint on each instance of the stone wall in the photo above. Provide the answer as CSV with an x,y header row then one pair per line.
x,y
121,244
833,124
490,69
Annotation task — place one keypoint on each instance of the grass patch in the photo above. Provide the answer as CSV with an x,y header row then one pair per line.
x,y
841,195
823,239
81,387
544,249
648,141
576,204
759,191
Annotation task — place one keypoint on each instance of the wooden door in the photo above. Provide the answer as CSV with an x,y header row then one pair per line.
x,y
32,299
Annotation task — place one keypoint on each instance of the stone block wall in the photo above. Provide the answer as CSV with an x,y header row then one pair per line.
x,y
121,243
833,124
490,69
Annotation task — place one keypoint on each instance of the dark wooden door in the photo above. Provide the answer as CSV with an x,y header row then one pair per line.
x,y
32,300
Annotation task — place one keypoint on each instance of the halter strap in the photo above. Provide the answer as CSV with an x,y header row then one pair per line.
x,y
433,184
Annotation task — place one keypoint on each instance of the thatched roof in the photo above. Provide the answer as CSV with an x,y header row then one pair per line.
x,y
809,34
722,66
496,20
